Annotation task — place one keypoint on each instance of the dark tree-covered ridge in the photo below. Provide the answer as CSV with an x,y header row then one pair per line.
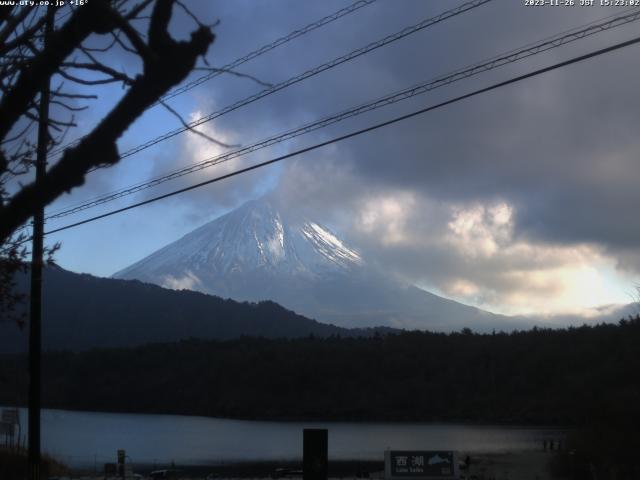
x,y
83,312
574,376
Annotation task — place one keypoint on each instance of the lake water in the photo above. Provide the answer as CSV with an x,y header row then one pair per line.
x,y
84,438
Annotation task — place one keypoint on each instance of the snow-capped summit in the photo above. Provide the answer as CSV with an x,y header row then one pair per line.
x,y
259,252
253,239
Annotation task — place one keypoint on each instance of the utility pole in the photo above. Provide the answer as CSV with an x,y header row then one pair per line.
x,y
35,324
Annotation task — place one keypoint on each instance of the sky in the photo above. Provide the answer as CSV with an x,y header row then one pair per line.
x,y
518,201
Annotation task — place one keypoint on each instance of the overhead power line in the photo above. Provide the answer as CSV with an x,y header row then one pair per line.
x,y
310,73
251,55
266,48
377,126
494,62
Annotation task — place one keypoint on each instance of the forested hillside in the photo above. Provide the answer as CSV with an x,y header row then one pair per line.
x,y
569,377
83,312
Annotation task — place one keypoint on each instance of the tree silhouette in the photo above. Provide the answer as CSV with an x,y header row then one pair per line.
x,y
78,55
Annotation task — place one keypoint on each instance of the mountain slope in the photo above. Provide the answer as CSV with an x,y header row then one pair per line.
x,y
254,239
81,312
257,252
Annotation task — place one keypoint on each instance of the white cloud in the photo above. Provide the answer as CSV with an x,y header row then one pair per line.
x,y
480,230
470,252
386,218
188,282
196,148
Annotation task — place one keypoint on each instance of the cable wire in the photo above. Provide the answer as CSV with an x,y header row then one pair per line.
x,y
494,62
266,48
312,72
251,55
359,132
308,74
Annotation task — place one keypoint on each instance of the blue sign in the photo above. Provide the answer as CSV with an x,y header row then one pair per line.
x,y
420,464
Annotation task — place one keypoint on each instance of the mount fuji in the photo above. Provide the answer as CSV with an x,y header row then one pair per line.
x,y
258,252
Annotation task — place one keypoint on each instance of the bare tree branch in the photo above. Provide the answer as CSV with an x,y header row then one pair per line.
x,y
98,148
139,46
5,13
133,13
100,49
27,34
236,74
98,67
69,107
11,24
74,95
84,21
18,135
192,129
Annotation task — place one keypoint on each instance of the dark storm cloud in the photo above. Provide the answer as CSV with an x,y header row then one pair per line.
x,y
564,153
560,149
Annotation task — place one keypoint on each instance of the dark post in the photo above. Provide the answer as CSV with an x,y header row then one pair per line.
x,y
121,457
35,326
315,463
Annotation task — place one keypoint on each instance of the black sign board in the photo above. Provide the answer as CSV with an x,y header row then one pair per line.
x,y
315,454
423,464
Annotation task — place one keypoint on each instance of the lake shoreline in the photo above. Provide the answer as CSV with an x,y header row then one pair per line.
x,y
310,420
255,469
88,440
522,464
